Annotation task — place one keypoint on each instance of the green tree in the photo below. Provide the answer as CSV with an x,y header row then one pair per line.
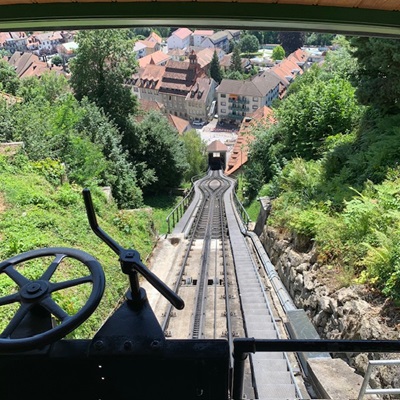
x,y
315,112
4,53
319,39
104,61
7,125
341,61
9,81
249,44
278,53
378,75
119,174
57,60
235,75
195,149
258,34
154,145
49,87
215,68
271,37
236,60
291,41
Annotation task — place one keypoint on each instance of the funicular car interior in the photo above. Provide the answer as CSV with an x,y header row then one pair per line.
x,y
130,357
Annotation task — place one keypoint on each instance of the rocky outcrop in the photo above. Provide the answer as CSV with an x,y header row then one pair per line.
x,y
336,311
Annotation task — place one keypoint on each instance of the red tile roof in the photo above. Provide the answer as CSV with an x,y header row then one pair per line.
x,y
148,43
182,33
157,58
154,37
28,64
239,155
216,146
180,124
203,32
145,106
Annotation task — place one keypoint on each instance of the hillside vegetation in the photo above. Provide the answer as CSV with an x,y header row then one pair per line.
x,y
36,213
330,163
87,131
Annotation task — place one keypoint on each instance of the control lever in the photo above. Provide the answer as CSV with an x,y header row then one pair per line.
x,y
130,260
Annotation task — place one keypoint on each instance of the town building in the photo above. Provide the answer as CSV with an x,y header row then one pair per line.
x,y
238,99
239,154
28,64
157,58
217,40
143,48
47,42
199,101
178,80
179,39
199,35
13,41
146,82
182,87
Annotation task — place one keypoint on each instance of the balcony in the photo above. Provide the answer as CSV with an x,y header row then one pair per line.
x,y
235,116
239,100
237,107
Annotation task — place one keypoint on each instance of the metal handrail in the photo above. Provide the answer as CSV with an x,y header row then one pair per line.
x,y
371,364
242,211
244,346
182,206
179,210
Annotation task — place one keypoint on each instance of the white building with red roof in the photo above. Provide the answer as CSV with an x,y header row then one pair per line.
x,y
179,39
199,35
143,48
153,37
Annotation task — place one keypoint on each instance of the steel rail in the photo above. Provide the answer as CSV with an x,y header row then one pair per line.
x,y
165,323
198,319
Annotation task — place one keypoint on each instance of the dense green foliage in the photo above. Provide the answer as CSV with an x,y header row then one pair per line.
x,y
195,149
156,147
249,44
215,68
9,82
91,127
236,61
104,61
291,41
278,53
38,211
330,163
378,75
319,39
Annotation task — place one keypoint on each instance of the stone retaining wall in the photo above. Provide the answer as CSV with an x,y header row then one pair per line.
x,y
337,313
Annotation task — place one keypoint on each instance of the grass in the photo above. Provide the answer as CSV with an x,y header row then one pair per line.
x,y
253,210
36,214
161,205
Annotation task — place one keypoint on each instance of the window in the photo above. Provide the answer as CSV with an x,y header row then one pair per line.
x,y
223,111
223,95
223,103
255,107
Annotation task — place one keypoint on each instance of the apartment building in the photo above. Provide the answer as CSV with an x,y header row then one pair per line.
x,y
238,99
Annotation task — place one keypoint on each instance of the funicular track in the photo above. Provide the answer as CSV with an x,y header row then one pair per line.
x,y
203,276
225,294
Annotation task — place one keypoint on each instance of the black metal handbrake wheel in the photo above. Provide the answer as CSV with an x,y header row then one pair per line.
x,y
29,329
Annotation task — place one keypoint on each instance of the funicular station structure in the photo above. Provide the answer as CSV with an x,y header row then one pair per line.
x,y
130,357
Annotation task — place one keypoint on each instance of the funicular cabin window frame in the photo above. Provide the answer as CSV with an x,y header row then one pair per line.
x,y
368,18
